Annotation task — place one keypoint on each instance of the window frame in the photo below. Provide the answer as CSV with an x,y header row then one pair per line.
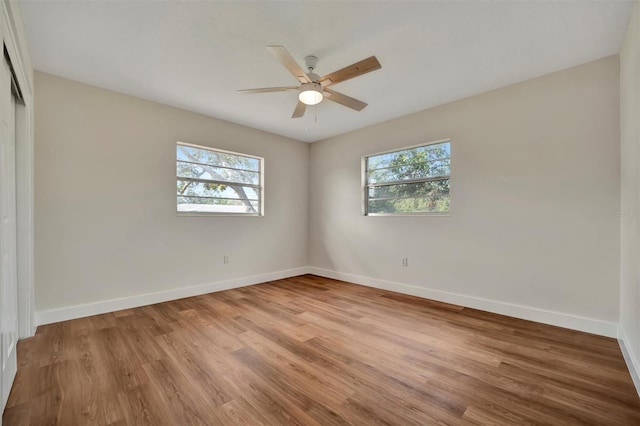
x,y
365,185
260,186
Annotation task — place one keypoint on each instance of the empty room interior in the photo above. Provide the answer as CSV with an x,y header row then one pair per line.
x,y
385,212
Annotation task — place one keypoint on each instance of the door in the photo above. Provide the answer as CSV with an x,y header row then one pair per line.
x,y
8,250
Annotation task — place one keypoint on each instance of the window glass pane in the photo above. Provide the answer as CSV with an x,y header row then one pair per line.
x,y
212,181
216,158
425,169
216,205
437,188
203,189
412,155
198,171
435,203
399,171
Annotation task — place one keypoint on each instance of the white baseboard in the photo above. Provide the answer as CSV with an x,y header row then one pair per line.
x,y
80,311
574,322
633,362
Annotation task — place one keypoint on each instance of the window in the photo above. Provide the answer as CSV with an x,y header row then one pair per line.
x,y
413,180
212,181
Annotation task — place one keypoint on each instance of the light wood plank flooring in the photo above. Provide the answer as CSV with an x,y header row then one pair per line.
x,y
314,351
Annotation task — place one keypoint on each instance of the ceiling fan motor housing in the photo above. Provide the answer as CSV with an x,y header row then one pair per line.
x,y
313,77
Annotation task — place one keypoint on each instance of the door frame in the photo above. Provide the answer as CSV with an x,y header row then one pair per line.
x,y
14,40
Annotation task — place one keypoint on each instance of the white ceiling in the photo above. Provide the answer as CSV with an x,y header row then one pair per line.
x,y
195,55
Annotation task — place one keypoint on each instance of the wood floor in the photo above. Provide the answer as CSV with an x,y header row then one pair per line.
x,y
314,351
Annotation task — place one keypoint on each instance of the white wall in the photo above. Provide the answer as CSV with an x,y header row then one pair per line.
x,y
105,222
630,195
535,172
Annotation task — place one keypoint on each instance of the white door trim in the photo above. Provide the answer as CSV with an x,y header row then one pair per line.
x,y
14,40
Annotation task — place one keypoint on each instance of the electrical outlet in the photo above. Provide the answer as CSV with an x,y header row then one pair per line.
x,y
405,261
226,259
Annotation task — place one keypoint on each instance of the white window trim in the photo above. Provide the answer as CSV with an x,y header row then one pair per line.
x,y
364,186
218,214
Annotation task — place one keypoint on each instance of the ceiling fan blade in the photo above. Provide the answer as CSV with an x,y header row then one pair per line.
x,y
268,89
287,60
354,70
299,111
345,100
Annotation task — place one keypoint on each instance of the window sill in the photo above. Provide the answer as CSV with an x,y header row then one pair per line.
x,y
210,214
407,214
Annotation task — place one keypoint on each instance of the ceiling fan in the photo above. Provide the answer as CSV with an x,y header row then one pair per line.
x,y
313,88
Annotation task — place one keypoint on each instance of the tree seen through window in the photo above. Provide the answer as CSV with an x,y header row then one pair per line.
x,y
214,181
409,181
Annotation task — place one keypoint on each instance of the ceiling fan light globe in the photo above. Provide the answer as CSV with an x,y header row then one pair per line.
x,y
310,93
310,97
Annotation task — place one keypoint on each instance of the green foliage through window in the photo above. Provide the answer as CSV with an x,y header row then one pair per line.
x,y
214,181
409,181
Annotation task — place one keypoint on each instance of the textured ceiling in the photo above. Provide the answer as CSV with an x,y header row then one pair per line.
x,y
195,55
